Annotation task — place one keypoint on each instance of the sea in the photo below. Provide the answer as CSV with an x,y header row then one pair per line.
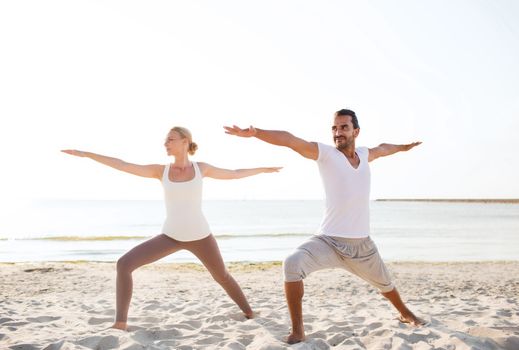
x,y
257,230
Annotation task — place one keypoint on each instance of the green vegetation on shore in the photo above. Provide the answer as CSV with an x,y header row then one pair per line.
x,y
452,200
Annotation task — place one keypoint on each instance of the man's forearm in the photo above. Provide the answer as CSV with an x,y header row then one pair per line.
x,y
386,149
389,149
275,137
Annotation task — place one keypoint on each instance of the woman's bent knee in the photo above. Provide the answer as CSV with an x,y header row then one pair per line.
x,y
124,266
222,278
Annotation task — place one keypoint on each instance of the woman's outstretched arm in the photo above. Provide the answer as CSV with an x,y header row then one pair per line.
x,y
151,170
228,174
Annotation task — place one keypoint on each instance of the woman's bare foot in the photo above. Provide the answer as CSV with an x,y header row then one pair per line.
x,y
250,315
411,319
123,326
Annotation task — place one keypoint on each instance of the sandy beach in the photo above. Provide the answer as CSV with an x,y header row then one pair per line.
x,y
71,305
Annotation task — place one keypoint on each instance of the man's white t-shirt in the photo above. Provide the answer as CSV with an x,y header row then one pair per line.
x,y
347,193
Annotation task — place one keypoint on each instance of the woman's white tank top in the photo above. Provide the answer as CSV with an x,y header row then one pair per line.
x,y
184,218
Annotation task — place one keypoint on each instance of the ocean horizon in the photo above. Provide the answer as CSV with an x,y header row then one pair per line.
x,y
262,230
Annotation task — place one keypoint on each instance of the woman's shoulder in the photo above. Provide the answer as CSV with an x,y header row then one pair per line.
x,y
203,166
160,169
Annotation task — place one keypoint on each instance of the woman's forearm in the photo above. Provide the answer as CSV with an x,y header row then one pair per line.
x,y
151,170
115,163
241,173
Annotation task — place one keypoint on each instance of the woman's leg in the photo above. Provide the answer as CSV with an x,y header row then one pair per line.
x,y
209,254
145,253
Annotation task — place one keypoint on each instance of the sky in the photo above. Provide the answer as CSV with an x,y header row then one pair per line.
x,y
112,77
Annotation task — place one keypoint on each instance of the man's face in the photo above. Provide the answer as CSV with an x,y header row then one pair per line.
x,y
343,132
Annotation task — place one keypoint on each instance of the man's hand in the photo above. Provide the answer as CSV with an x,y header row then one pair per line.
x,y
236,131
411,145
307,149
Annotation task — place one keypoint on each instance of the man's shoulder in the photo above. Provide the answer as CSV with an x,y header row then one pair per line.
x,y
324,146
362,150
325,151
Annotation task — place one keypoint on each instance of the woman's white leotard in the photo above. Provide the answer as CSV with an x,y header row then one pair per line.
x,y
184,218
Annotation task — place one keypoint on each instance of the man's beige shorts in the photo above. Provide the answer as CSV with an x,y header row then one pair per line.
x,y
357,255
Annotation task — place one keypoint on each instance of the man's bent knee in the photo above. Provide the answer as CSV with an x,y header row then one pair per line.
x,y
386,289
293,270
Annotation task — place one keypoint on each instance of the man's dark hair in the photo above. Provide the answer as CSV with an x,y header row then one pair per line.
x,y
352,114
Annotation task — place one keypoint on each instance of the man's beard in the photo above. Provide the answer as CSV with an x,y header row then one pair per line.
x,y
343,145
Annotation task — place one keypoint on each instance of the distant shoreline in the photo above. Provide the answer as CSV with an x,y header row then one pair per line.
x,y
454,200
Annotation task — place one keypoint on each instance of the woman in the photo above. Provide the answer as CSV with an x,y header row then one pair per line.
x,y
185,226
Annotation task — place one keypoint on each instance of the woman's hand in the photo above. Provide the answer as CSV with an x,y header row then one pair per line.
x,y
74,152
274,169
150,170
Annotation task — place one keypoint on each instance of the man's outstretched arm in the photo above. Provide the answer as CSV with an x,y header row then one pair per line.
x,y
386,149
307,149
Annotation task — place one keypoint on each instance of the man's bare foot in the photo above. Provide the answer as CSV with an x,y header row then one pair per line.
x,y
412,320
295,338
250,315
123,326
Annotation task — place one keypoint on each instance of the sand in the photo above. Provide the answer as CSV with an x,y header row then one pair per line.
x,y
71,305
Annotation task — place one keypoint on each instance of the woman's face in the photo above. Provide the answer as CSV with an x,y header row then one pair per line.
x,y
175,144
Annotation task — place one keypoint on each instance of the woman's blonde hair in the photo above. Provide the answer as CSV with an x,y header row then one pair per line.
x,y
186,134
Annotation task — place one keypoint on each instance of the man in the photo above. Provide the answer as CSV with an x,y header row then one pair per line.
x,y
343,238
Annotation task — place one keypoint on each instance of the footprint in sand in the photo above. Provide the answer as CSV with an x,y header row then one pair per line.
x,y
356,319
414,338
504,313
190,312
248,327
209,340
108,312
339,329
99,342
24,347
315,344
168,344
245,340
383,333
43,319
43,270
470,323
99,320
60,345
151,307
15,324
193,324
337,339
5,319
317,335
374,325
218,318
234,345
150,336
226,305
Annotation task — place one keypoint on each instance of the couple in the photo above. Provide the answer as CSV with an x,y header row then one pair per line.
x,y
343,240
